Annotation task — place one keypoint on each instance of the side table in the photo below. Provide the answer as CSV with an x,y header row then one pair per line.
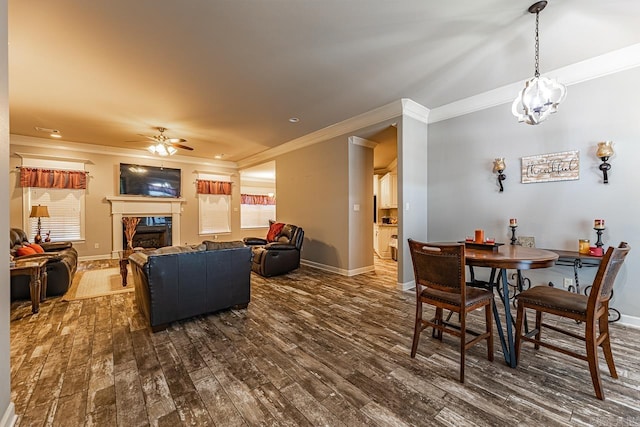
x,y
35,268
123,260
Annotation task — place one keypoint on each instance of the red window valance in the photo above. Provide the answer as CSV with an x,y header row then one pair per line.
x,y
213,187
257,199
53,178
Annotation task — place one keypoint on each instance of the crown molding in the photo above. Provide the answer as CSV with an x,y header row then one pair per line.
x,y
65,146
380,114
414,110
589,69
389,111
356,140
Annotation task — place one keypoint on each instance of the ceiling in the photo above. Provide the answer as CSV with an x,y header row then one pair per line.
x,y
227,75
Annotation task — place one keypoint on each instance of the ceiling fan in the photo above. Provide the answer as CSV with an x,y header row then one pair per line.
x,y
165,146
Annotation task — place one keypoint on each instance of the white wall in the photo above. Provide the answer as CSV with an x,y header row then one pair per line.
x,y
7,413
463,194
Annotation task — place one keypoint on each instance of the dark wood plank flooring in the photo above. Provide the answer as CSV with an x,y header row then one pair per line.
x,y
312,349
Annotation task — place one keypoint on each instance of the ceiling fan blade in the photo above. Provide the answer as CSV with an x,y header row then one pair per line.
x,y
153,138
175,140
184,147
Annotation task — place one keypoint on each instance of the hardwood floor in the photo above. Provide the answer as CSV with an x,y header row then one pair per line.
x,y
313,348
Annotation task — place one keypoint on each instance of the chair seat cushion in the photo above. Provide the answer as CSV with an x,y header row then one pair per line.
x,y
554,298
474,296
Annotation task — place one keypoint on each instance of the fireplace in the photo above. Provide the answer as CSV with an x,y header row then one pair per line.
x,y
154,207
151,232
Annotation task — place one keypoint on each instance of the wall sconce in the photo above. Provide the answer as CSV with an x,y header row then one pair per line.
x,y
499,167
605,150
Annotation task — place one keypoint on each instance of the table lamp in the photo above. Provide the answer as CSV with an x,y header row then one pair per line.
x,y
39,212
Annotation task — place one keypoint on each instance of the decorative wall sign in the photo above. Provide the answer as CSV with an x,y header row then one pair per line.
x,y
563,166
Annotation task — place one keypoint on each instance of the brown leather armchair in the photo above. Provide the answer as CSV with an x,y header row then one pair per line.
x,y
279,256
62,262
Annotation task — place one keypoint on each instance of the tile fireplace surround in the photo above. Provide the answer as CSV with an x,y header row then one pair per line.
x,y
122,206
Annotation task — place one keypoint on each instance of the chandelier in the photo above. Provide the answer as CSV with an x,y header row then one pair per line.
x,y
540,96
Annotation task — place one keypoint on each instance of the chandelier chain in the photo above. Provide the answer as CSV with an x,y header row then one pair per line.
x,y
537,55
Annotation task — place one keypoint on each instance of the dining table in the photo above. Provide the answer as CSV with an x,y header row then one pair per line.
x,y
500,258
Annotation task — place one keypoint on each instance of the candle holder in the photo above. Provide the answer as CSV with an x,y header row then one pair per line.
x,y
599,231
513,234
499,167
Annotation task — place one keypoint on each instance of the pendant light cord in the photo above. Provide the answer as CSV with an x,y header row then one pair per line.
x,y
537,55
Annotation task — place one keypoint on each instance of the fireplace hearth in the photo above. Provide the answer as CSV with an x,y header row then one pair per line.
x,y
151,232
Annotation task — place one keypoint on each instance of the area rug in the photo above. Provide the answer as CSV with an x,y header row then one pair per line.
x,y
97,283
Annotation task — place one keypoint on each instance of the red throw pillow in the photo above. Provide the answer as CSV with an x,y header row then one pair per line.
x,y
36,247
25,250
274,231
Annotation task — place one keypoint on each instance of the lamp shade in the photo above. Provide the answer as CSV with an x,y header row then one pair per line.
x,y
605,149
39,212
498,164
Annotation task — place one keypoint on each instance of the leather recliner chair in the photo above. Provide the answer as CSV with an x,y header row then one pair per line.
x,y
62,262
279,256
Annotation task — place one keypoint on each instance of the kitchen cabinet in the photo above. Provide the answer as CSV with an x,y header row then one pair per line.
x,y
389,191
381,236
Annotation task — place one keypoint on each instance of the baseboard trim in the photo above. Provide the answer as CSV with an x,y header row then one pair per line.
x,y
407,285
631,321
94,257
9,418
336,270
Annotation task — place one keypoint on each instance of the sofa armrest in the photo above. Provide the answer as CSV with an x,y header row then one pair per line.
x,y
138,258
55,246
51,256
277,246
254,241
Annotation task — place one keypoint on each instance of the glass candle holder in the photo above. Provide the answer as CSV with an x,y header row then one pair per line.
x,y
583,246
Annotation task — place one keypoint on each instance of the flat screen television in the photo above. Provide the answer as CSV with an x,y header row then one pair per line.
x,y
151,181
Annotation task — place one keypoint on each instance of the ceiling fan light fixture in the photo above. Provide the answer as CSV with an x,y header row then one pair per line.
x,y
541,96
165,146
162,149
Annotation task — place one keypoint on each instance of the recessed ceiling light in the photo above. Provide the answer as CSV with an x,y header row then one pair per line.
x,y
294,120
55,133
218,156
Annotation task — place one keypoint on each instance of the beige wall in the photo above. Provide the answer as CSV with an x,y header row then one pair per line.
x,y
360,195
6,407
103,170
312,186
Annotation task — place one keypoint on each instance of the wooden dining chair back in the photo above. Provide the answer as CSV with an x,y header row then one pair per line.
x,y
439,271
591,311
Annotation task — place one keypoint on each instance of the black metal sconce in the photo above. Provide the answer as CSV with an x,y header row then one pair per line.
x,y
605,150
499,167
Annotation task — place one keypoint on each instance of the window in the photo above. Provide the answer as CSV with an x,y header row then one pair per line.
x,y
257,210
66,221
215,209
257,188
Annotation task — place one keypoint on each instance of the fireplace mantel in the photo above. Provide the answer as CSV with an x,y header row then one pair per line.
x,y
142,206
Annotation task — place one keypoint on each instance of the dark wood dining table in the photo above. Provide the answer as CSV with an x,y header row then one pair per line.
x,y
507,257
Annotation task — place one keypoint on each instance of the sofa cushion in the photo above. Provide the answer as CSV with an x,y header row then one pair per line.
x,y
212,246
178,249
274,231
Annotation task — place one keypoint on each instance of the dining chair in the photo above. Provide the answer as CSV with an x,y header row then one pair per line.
x,y
591,311
439,270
